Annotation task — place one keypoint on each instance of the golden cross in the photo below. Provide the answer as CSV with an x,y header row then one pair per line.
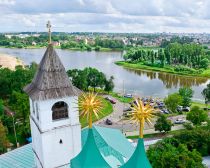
x,y
49,31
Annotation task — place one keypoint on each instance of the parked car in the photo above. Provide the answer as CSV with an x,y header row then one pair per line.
x,y
108,122
108,98
127,109
165,111
186,109
179,108
179,121
112,101
128,95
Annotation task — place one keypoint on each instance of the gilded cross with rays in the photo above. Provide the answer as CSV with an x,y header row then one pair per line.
x,y
49,31
141,114
89,104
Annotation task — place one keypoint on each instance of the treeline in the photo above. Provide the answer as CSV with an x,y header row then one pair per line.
x,y
90,78
185,149
109,43
175,54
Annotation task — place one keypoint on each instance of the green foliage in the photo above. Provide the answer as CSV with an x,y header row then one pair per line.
x,y
109,84
163,124
109,43
172,101
90,77
187,58
197,115
97,48
165,154
15,80
1,108
19,102
206,93
4,143
204,63
198,138
187,94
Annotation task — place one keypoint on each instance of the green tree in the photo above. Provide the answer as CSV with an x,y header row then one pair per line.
x,y
187,94
172,101
1,108
152,57
165,154
4,142
19,103
95,78
206,94
163,124
109,84
204,63
197,115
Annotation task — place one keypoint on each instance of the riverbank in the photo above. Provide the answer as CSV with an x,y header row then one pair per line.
x,y
73,49
205,73
9,61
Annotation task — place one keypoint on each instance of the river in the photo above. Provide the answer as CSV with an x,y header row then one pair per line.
x,y
139,82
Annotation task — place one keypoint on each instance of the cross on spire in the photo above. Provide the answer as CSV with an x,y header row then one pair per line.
x,y
49,31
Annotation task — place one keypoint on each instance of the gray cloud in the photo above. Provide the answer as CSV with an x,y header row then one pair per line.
x,y
109,15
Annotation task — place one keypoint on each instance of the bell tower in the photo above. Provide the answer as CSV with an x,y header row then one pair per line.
x,y
54,119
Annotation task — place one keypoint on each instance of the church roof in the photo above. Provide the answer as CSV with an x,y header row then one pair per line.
x,y
139,157
90,155
51,80
111,142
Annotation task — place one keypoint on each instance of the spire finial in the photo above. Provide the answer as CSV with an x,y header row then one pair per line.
x,y
140,114
49,31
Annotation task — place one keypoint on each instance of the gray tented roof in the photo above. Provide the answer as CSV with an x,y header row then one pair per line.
x,y
51,80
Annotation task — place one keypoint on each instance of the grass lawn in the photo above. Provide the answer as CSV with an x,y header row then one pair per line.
x,y
121,98
108,109
156,135
205,73
201,105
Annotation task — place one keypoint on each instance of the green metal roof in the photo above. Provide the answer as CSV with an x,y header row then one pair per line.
x,y
22,157
111,142
139,158
90,156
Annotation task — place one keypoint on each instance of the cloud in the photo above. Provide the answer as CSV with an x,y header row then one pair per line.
x,y
106,15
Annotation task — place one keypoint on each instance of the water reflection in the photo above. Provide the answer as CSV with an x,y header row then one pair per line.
x,y
171,80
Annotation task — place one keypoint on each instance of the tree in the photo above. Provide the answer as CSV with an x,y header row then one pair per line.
x,y
1,108
187,94
19,103
165,154
95,78
109,85
197,115
4,143
204,63
172,101
163,124
206,94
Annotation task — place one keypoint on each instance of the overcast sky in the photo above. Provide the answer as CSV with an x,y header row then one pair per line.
x,y
106,15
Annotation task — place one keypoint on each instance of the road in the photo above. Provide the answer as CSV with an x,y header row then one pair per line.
x,y
126,126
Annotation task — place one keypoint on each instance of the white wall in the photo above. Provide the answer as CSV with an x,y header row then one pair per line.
x,y
46,143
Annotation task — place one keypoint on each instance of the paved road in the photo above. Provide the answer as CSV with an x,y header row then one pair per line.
x,y
127,126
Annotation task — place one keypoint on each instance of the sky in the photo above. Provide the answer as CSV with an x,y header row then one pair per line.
x,y
137,16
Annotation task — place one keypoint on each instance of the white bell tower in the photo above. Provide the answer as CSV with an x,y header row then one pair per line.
x,y
54,118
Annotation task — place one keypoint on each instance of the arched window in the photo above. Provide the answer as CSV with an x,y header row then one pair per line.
x,y
59,110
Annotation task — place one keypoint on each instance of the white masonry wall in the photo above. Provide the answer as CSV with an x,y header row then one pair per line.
x,y
47,134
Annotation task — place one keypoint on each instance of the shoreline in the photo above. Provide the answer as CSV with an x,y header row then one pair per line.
x,y
205,74
72,49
